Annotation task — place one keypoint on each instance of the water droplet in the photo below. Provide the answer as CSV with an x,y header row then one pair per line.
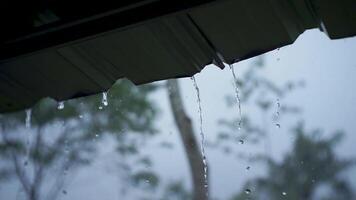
x,y
66,146
241,142
284,193
237,96
248,191
105,99
28,118
278,104
25,163
248,168
66,169
100,107
60,105
81,116
276,116
96,135
201,132
64,192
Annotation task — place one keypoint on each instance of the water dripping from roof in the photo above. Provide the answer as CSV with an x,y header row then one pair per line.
x,y
277,114
201,132
60,105
237,94
104,100
28,118
28,138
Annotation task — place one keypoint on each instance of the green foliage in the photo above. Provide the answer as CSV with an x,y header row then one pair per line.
x,y
62,139
176,191
145,179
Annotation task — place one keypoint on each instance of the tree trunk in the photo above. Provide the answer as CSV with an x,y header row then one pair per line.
x,y
187,135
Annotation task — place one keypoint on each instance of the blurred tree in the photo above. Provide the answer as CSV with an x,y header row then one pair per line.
x,y
191,147
65,139
310,166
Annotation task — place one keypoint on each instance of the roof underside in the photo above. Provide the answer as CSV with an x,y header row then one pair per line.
x,y
62,62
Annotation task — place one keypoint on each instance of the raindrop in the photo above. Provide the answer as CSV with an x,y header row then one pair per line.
x,y
66,146
237,96
100,107
60,105
277,114
241,142
278,104
66,169
28,118
201,132
284,193
64,192
248,191
81,116
248,168
96,135
25,163
105,99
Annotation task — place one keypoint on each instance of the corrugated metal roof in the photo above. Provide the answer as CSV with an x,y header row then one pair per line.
x,y
177,45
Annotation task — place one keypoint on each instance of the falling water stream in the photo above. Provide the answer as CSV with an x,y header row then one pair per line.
x,y
60,105
28,139
104,100
277,114
237,95
201,132
28,118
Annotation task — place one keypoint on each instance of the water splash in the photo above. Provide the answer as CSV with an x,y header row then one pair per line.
x,y
60,105
237,94
201,132
104,100
28,118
